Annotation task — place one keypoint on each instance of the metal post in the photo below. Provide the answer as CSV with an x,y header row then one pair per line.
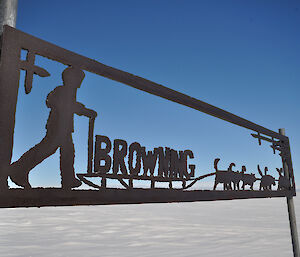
x,y
8,13
291,210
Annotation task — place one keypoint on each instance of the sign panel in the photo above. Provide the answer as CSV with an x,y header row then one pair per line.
x,y
114,158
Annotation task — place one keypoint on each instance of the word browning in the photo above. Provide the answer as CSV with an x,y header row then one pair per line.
x,y
171,163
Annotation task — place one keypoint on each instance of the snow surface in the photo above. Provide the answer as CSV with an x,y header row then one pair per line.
x,y
256,227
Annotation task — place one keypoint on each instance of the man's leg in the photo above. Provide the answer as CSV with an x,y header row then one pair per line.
x,y
20,169
67,155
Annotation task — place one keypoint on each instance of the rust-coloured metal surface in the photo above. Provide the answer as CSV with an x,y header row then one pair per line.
x,y
39,197
172,165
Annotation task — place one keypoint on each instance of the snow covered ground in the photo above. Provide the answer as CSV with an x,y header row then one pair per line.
x,y
256,227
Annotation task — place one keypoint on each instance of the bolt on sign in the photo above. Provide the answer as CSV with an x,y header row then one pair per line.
x,y
114,159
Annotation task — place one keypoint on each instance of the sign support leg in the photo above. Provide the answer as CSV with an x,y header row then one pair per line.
x,y
291,211
8,16
293,226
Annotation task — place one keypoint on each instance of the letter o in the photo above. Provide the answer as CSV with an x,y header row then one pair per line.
x,y
134,147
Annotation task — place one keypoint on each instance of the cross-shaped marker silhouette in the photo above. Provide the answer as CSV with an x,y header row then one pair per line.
x,y
258,136
31,69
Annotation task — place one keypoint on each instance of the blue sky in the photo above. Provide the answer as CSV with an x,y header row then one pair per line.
x,y
242,56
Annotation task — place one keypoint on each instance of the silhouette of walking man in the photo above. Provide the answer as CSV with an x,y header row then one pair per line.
x,y
60,126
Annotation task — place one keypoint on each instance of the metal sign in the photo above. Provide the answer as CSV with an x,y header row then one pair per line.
x,y
106,156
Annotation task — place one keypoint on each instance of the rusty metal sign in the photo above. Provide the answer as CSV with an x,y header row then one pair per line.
x,y
106,156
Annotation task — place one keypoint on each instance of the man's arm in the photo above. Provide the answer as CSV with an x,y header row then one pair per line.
x,y
80,110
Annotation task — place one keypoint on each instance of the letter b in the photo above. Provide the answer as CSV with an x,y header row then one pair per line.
x,y
102,154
